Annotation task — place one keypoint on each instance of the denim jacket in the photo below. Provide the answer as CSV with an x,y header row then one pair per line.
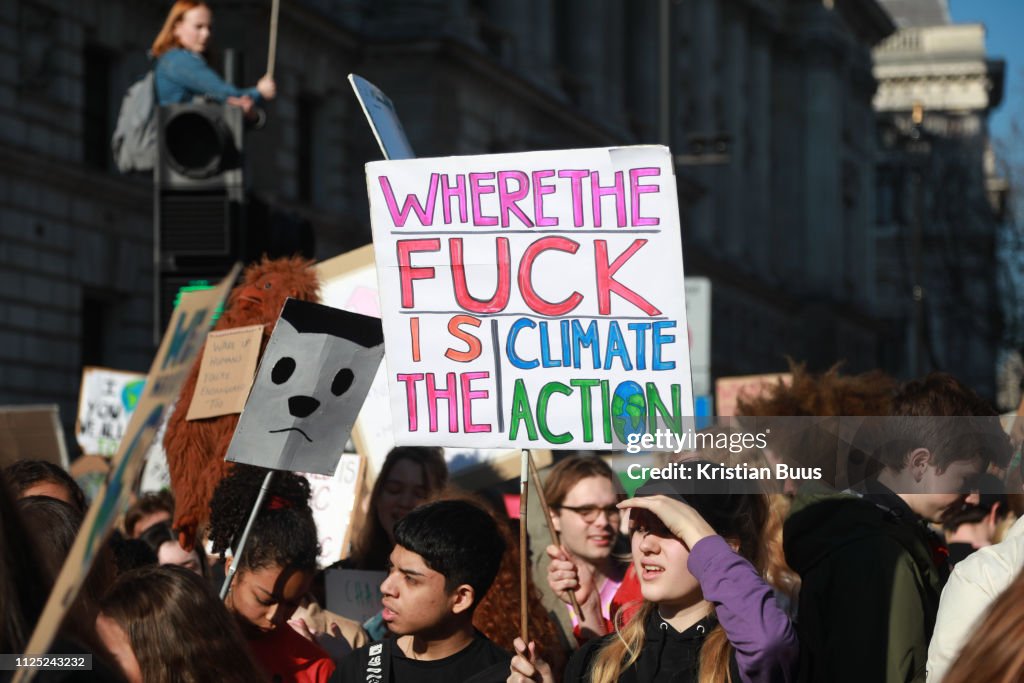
x,y
181,75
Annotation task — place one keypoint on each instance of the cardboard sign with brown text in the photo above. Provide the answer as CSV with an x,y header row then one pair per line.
x,y
226,372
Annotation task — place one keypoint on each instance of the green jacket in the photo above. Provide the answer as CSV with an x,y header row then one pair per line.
x,y
870,589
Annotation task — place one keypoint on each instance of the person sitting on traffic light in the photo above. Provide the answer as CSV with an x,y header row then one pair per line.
x,y
182,73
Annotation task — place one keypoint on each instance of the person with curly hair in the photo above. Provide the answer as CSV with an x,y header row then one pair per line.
x,y
810,440
274,571
164,624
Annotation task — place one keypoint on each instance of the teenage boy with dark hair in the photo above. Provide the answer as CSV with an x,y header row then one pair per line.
x,y
871,569
445,558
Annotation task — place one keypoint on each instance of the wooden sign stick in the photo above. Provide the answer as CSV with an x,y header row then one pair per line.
x,y
523,546
275,8
555,539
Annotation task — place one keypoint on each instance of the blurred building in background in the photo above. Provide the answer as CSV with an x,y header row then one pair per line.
x,y
939,202
767,105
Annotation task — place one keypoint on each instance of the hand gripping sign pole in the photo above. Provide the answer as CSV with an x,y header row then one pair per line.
x,y
236,556
555,540
275,9
523,546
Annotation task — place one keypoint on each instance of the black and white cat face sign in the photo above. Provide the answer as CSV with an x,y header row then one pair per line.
x,y
311,383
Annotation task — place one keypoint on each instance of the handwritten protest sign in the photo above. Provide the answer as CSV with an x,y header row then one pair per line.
x,y
106,401
182,341
354,593
349,282
333,499
532,300
226,371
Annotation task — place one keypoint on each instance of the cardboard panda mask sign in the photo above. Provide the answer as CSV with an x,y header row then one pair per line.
x,y
311,383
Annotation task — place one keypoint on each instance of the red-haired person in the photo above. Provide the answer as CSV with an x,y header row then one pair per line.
x,y
181,70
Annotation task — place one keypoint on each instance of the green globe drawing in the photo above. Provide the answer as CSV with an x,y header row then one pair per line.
x,y
629,410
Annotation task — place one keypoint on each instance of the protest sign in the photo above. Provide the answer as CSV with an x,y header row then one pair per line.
x,y
184,337
532,300
698,330
354,593
383,119
156,475
728,390
90,473
32,432
226,371
333,499
311,383
349,282
106,401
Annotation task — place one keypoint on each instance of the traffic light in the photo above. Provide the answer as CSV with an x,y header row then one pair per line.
x,y
199,199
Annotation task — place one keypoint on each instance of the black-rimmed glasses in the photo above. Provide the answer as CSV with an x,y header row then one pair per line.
x,y
590,512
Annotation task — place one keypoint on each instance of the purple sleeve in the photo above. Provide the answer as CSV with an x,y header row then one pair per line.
x,y
764,639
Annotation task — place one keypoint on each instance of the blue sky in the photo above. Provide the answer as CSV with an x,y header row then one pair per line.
x,y
1004,21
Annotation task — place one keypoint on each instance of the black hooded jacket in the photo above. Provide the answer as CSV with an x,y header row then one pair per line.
x,y
667,656
871,584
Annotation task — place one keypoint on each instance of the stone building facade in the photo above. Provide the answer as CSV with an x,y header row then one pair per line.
x,y
939,201
766,104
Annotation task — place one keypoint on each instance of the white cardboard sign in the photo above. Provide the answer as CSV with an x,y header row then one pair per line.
x,y
333,499
532,300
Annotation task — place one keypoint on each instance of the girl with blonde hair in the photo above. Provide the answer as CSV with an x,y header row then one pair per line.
x,y
707,615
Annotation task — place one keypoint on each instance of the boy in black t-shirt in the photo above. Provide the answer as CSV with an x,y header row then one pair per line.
x,y
445,558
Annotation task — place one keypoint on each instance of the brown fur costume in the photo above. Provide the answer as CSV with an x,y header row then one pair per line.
x,y
196,448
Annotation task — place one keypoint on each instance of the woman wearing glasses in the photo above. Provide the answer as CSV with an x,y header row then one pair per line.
x,y
582,494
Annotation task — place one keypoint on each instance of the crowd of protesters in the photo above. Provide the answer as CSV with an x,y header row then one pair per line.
x,y
910,570
912,574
